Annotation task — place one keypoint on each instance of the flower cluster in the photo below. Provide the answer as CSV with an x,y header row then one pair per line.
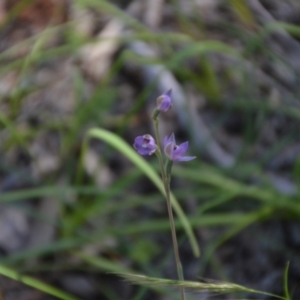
x,y
146,145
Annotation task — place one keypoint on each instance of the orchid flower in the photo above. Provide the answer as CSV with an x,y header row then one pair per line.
x,y
145,144
175,152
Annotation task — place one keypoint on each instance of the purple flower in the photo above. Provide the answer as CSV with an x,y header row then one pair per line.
x,y
174,152
145,144
164,102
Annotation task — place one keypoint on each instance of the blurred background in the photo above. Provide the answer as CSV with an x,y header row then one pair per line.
x,y
74,210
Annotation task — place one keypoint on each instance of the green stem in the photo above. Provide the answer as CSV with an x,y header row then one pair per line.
x,y
159,152
166,178
174,238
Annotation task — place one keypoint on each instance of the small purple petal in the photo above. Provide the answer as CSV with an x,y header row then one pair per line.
x,y
164,106
139,140
180,150
169,149
166,141
186,158
168,93
143,151
170,139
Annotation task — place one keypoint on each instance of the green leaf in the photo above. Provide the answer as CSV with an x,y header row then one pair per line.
x,y
243,12
285,282
37,284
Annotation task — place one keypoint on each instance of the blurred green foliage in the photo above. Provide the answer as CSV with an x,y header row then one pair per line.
x,y
225,198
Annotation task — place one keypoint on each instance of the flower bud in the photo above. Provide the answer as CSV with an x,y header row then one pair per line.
x,y
164,102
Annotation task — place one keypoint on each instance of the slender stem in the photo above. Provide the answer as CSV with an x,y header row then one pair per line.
x,y
174,238
159,153
166,181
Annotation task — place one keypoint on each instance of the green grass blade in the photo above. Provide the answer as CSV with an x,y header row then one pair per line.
x,y
36,284
197,49
285,282
243,12
292,29
114,11
101,263
13,131
59,192
116,142
267,195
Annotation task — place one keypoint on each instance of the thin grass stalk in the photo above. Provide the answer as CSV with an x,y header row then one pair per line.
x,y
166,183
